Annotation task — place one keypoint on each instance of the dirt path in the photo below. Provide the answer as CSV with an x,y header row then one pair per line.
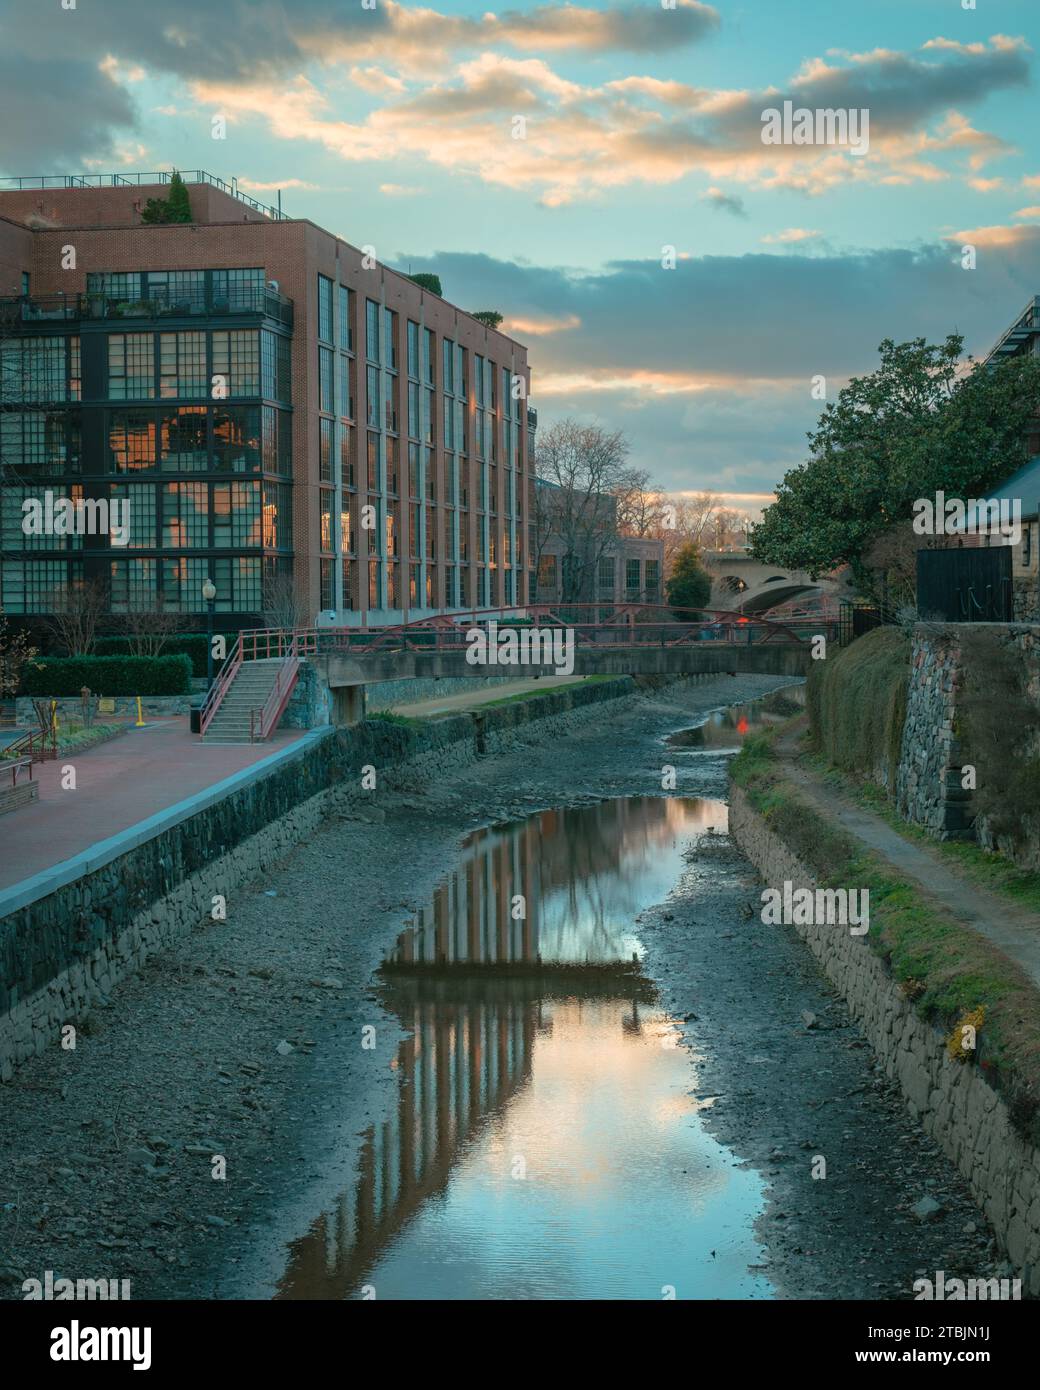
x,y
1011,927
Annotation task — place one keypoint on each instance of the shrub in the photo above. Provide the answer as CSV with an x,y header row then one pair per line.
x,y
857,704
109,675
191,644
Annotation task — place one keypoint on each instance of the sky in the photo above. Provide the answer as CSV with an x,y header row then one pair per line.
x,y
596,172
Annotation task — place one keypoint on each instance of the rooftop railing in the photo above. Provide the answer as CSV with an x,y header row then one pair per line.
x,y
158,176
245,299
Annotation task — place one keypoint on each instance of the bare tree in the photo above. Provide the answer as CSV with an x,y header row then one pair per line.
x,y
148,630
283,607
75,613
585,482
15,655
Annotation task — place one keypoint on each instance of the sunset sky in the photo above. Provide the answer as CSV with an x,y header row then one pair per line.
x,y
394,127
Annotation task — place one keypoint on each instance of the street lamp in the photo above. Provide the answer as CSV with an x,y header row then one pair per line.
x,y
209,593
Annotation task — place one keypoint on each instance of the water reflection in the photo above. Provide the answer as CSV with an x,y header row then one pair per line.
x,y
724,729
544,1143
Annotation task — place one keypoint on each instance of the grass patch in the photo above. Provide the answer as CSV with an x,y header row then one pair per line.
x,y
948,970
538,694
981,867
387,716
856,703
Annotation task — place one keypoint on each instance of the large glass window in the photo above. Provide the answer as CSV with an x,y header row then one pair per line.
x,y
236,439
413,349
12,519
390,341
448,364
132,586
131,366
235,358
236,515
371,330
325,379
275,373
277,516
325,451
346,318
185,516
372,392
36,586
137,510
324,309
38,443
182,363
182,440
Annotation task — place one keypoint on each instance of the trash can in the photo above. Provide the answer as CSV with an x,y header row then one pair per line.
x,y
195,716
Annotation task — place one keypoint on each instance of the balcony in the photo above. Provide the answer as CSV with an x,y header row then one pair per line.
x,y
74,308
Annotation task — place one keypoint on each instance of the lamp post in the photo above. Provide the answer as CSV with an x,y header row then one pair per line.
x,y
209,593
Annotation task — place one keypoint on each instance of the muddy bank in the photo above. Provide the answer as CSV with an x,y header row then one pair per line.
x,y
106,1152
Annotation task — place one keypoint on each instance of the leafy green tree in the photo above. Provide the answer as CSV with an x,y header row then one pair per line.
x,y
428,281
174,208
924,421
489,316
689,585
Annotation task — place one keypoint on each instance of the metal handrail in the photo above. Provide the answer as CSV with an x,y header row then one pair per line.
x,y
219,688
271,710
632,625
159,304
148,179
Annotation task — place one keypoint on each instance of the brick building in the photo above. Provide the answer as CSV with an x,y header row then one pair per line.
x,y
266,399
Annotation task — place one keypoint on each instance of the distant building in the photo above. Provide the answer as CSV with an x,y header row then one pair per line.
x,y
623,569
268,402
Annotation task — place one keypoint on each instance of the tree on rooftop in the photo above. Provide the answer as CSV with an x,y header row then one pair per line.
x,y
491,317
176,207
428,281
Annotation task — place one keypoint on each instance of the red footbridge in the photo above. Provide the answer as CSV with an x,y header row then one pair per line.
x,y
510,643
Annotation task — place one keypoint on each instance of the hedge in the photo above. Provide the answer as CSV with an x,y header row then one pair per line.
x,y
193,644
108,675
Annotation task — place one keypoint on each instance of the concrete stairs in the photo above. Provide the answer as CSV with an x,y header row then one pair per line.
x,y
253,682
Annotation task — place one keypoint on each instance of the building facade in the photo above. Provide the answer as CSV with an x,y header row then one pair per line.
x,y
274,410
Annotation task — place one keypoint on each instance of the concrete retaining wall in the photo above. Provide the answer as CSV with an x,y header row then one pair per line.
x,y
69,936
953,1101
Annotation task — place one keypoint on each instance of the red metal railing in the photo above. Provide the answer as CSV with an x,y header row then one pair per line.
x,y
603,626
219,688
263,721
39,746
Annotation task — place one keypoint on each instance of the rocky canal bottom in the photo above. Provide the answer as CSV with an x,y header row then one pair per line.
x,y
518,1032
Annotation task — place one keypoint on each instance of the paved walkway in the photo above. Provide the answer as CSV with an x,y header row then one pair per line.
x,y
1009,926
118,784
471,699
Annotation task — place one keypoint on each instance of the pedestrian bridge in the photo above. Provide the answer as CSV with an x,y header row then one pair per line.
x,y
514,644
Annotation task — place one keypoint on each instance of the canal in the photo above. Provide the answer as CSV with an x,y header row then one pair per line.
x,y
548,1138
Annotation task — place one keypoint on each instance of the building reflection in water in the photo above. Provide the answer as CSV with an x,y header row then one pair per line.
x,y
724,729
533,931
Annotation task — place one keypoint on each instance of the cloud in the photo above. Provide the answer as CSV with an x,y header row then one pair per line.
x,y
790,235
725,202
581,141
399,190
58,110
1027,212
667,356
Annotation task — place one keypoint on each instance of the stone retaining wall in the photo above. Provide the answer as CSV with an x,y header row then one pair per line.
x,y
952,1100
66,950
929,790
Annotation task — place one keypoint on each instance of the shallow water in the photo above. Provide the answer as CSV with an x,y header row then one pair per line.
x,y
545,1142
